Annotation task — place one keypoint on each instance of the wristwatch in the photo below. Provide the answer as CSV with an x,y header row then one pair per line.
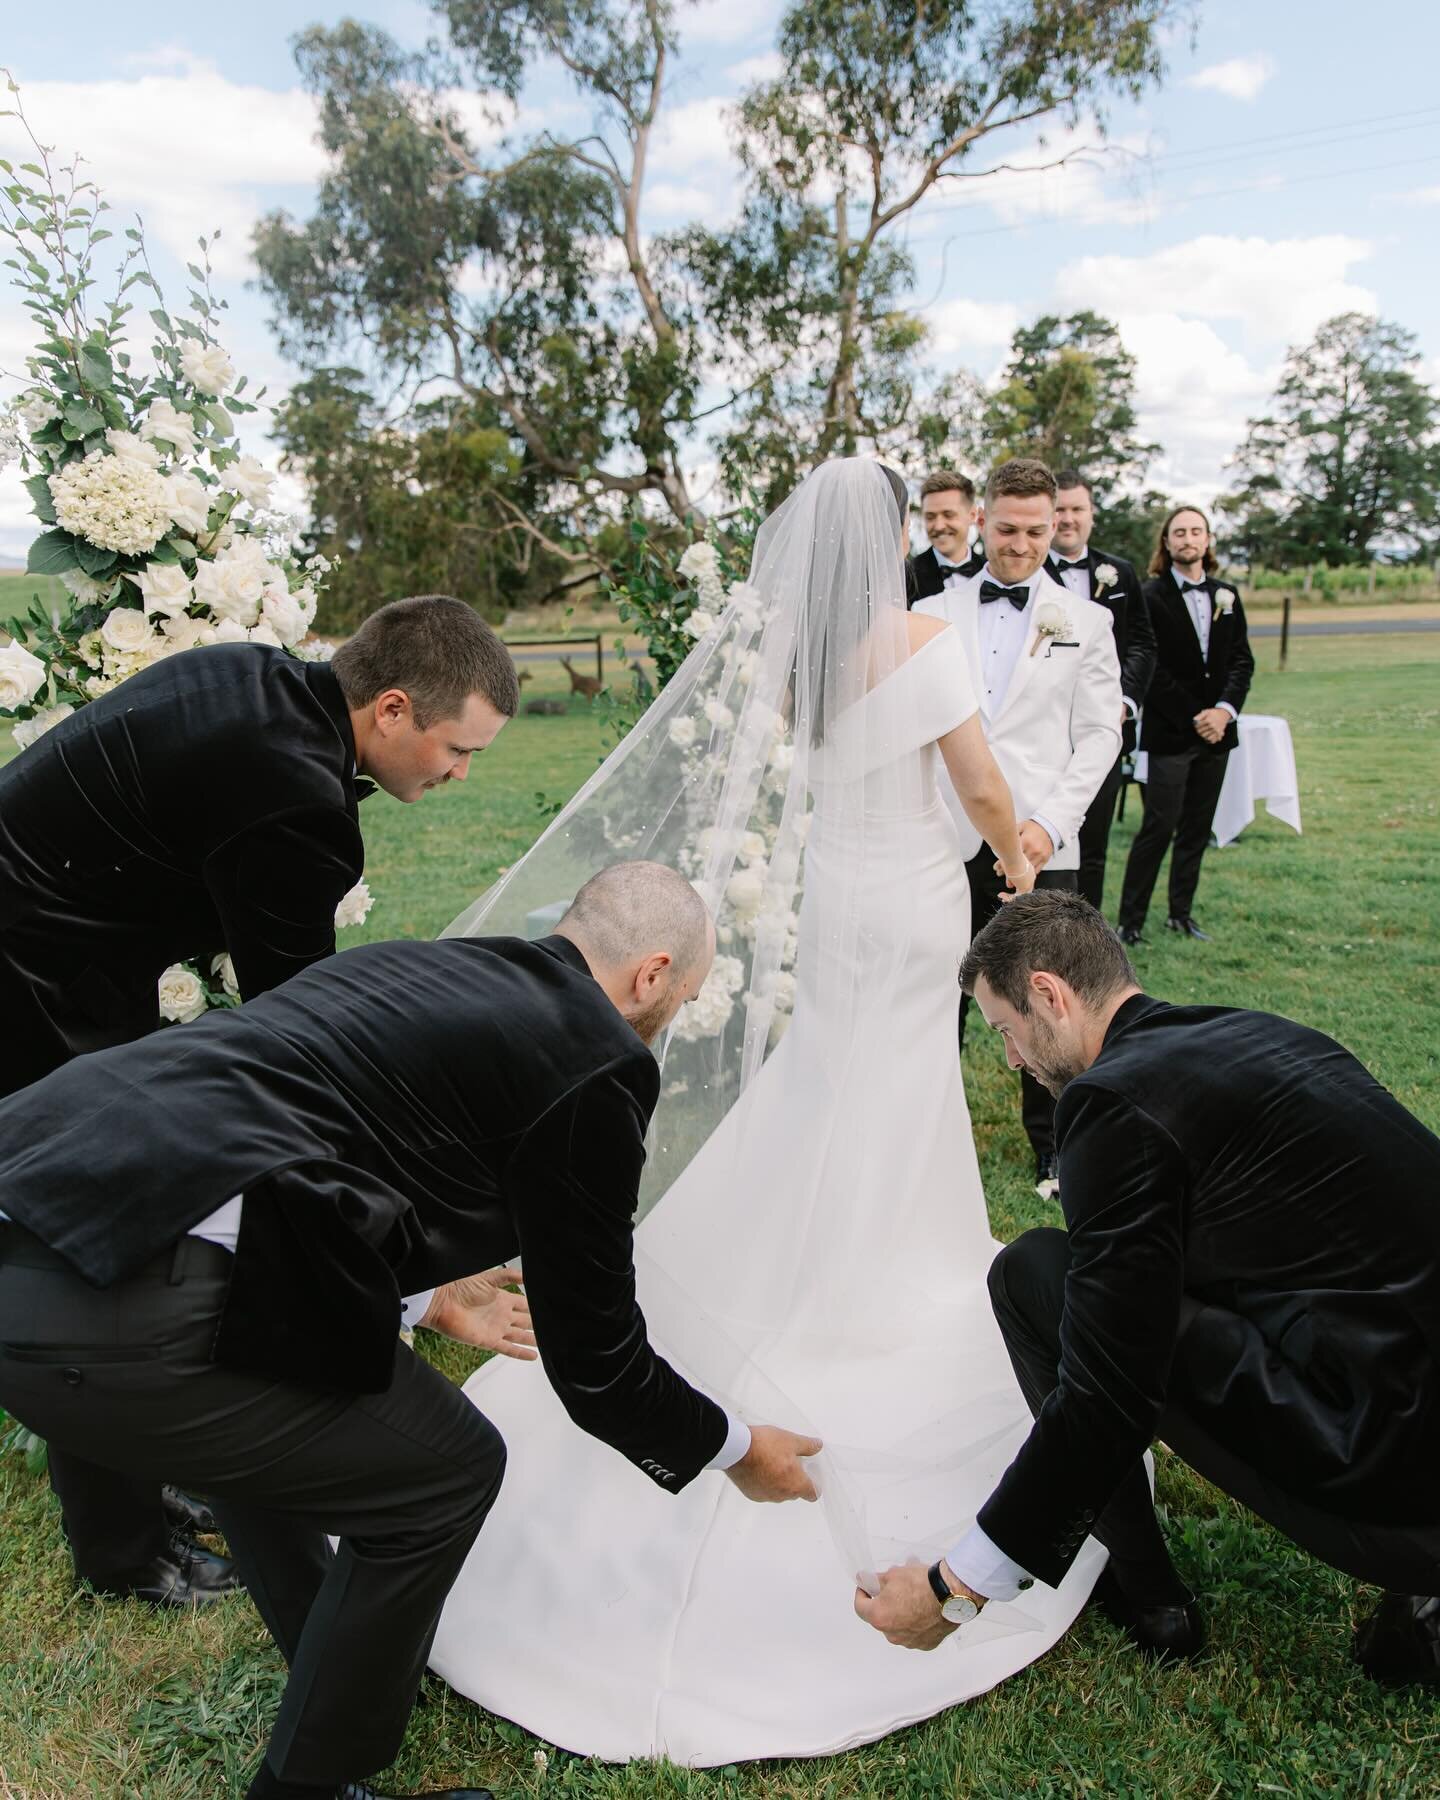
x,y
955,1609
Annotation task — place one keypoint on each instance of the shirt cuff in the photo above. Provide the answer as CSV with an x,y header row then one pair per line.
x,y
985,1568
1049,830
414,1308
1132,711
736,1445
1225,706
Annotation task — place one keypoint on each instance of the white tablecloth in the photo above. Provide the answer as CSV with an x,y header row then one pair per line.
x,y
1261,767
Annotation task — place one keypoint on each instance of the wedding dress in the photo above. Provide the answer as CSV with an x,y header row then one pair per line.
x,y
820,1263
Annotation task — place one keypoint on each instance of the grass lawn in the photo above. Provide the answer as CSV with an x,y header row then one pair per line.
x,y
1340,928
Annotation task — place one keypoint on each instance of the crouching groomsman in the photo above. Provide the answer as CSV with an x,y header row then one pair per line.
x,y
1043,668
1113,583
1203,666
1250,1272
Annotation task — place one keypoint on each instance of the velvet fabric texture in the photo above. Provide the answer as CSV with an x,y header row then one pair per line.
x,y
1185,683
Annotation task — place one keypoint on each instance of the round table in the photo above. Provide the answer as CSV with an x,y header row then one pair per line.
x,y
1261,767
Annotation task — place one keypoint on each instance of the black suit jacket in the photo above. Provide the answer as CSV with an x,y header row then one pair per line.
x,y
1255,1237
398,1116
924,576
1125,601
1184,682
208,803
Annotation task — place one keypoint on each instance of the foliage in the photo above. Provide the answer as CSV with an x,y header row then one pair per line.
x,y
1347,459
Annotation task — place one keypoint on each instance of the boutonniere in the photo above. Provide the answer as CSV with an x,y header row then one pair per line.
x,y
1051,621
1106,575
1224,603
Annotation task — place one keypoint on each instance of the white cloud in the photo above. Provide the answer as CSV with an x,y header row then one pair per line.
x,y
965,328
1241,78
1069,174
1429,196
728,21
769,67
1276,288
692,166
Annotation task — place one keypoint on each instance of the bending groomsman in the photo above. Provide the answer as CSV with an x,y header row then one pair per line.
x,y
1203,667
947,507
1113,583
210,803
1044,669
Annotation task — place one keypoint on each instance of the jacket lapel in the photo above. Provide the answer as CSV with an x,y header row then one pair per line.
x,y
961,601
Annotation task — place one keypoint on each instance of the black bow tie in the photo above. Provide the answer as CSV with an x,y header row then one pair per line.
x,y
1019,597
1193,587
363,789
1081,562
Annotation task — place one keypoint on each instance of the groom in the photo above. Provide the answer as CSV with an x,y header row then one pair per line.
x,y
223,1304
1044,669
1251,1272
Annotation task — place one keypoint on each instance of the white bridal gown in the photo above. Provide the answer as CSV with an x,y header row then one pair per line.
x,y
820,1263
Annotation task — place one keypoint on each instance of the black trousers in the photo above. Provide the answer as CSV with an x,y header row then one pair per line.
x,y
1095,838
1181,793
1027,1291
404,1479
1037,1103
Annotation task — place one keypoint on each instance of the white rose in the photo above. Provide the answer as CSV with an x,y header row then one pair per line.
x,y
1106,575
231,631
1051,618
728,974
707,1013
699,623
225,969
264,634
699,563
233,585
27,730
355,906
185,634
307,600
164,424
206,367
22,675
682,732
284,617
745,890
319,650
131,448
127,629
1224,602
752,847
189,501
749,605
783,991
182,995
165,588
718,714
37,410
250,479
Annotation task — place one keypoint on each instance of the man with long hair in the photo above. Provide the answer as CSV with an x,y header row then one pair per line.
x,y
1203,666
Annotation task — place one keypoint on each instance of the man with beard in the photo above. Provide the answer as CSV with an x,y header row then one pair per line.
x,y
1250,1272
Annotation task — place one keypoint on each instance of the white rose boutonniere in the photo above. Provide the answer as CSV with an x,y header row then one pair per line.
x,y
355,906
1224,603
1106,576
182,995
1051,621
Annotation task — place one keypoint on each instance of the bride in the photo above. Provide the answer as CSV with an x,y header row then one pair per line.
x,y
816,1244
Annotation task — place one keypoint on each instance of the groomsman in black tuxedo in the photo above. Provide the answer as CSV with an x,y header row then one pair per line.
x,y
1095,574
1203,666
1250,1273
947,507
208,804
210,1234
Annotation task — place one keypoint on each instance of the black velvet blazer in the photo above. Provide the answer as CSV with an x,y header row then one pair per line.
x,y
1185,683
397,1116
1255,1237
1125,601
208,803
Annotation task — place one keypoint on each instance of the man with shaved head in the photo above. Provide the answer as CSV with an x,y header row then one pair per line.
x,y
225,1305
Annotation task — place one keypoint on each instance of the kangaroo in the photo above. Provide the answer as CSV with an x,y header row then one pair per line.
x,y
581,684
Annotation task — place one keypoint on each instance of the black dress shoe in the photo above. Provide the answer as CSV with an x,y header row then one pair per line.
x,y
185,1575
1130,934
185,1513
1165,1633
360,1790
1047,1177
1400,1641
1187,927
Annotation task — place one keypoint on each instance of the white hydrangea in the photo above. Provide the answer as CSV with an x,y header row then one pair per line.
x,y
753,847
163,423
37,410
165,588
707,1014
718,713
132,448
250,479
112,503
683,732
27,730
11,448
728,973
206,367
22,675
745,891
354,908
189,500
182,995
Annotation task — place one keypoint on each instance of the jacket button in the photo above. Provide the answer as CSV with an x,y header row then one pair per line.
x,y
71,1377
1088,1517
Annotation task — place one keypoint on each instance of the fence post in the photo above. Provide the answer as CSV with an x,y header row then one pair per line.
x,y
599,656
1284,630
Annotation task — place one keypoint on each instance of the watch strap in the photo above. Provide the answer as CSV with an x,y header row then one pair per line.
x,y
938,1584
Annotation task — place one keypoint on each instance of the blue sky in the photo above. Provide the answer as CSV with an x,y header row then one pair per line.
x,y
1288,170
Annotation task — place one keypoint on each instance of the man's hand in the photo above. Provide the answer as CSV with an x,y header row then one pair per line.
x,y
772,1468
481,1311
906,1610
1035,842
1212,724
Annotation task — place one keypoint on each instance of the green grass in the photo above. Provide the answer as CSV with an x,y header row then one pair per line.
x,y
1339,928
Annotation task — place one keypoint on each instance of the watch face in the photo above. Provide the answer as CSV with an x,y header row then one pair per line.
x,y
959,1609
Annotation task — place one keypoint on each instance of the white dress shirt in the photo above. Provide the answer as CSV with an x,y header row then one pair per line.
x,y
983,1566
1004,632
1200,607
1077,580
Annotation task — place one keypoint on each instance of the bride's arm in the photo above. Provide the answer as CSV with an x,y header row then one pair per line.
x,y
985,795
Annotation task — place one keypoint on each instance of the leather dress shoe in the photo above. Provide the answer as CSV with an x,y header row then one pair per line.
x,y
185,1575
360,1790
1400,1641
1047,1177
1187,927
1164,1633
1130,934
183,1512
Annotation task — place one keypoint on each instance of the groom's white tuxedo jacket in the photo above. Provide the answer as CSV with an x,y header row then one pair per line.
x,y
1055,731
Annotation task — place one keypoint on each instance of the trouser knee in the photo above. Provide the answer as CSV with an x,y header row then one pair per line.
x,y
1027,1278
